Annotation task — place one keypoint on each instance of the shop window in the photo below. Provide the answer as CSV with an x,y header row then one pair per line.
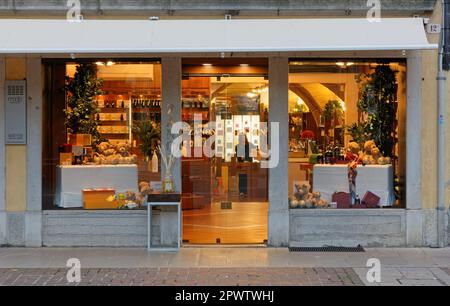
x,y
102,127
347,134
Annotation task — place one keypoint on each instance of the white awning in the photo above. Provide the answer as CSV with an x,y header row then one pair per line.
x,y
237,35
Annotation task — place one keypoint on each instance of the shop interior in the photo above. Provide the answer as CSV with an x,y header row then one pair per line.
x,y
102,129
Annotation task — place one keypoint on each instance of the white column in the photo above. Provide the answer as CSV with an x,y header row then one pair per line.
x,y
278,176
171,96
3,224
33,218
414,231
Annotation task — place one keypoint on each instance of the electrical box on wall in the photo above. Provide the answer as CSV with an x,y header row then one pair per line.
x,y
15,112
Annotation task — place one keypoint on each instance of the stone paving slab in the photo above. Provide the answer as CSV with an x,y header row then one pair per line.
x,y
408,277
185,277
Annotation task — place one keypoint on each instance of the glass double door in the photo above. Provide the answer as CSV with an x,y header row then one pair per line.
x,y
225,189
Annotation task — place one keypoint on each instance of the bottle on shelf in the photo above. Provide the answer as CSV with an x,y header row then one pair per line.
x,y
320,158
155,163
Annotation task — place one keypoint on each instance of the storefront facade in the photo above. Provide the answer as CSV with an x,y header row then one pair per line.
x,y
26,221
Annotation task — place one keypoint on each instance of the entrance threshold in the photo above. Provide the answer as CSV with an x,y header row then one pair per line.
x,y
233,246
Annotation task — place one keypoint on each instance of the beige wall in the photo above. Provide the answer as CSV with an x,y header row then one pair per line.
x,y
429,121
16,161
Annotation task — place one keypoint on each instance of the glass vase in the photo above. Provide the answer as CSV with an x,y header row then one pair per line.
x,y
168,186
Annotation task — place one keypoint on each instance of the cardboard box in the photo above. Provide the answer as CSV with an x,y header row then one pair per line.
x,y
65,159
98,199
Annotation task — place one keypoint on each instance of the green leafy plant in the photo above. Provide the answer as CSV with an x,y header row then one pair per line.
x,y
332,107
358,133
148,134
378,105
81,107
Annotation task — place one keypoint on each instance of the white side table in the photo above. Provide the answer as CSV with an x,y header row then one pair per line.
x,y
160,199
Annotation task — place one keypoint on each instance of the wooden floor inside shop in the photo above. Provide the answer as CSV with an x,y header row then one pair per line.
x,y
244,223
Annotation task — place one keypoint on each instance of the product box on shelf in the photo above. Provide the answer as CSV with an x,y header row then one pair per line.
x,y
81,139
99,199
65,159
371,200
342,199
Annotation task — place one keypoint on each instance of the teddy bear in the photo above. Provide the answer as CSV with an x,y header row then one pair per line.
x,y
102,147
376,155
301,191
368,146
372,155
306,199
123,149
144,188
367,157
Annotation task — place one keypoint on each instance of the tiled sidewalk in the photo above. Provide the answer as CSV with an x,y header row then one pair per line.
x,y
185,277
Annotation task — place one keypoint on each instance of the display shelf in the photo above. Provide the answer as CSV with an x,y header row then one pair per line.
x,y
149,109
113,123
114,110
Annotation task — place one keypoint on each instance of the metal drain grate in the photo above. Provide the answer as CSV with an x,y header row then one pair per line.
x,y
358,249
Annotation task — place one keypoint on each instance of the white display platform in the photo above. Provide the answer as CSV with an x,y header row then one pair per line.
x,y
71,180
378,179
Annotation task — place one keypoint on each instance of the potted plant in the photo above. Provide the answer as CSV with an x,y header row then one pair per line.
x,y
148,134
333,111
81,107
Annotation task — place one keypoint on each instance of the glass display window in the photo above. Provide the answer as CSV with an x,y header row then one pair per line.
x,y
103,129
347,133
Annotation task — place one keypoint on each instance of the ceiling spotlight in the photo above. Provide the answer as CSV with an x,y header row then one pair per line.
x,y
100,63
110,63
244,65
207,65
344,65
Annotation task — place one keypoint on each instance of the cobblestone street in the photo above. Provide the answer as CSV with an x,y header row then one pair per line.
x,y
185,277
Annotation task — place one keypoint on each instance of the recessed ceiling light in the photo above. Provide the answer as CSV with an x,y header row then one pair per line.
x,y
207,65
110,63
244,65
100,63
